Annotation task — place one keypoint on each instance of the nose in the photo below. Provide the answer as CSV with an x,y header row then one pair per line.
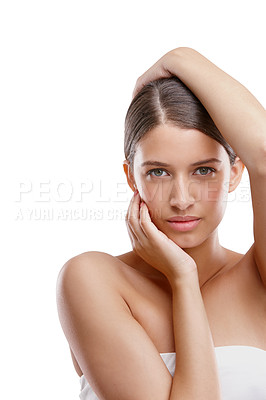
x,y
181,194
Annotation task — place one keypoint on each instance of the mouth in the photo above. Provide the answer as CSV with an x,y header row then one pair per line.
x,y
183,218
183,224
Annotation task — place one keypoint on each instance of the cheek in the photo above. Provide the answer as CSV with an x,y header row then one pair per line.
x,y
154,196
214,197
156,207
213,191
151,192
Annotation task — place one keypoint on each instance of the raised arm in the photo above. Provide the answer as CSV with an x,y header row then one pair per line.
x,y
240,118
238,115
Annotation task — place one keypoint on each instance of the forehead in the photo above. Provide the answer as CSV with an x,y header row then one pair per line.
x,y
177,146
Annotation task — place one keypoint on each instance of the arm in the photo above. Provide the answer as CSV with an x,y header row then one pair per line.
x,y
113,350
196,375
240,118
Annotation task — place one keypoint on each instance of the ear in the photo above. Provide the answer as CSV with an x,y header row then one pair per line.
x,y
129,175
236,174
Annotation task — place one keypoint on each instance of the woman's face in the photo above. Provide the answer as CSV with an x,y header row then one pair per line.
x,y
174,181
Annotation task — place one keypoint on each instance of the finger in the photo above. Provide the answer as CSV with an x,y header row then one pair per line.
x,y
138,86
156,71
137,245
148,227
133,217
148,76
133,210
129,207
134,239
143,80
129,216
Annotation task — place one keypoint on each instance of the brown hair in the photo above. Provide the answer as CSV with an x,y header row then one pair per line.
x,y
168,101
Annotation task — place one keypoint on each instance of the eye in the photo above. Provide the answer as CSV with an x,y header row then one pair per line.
x,y
157,172
205,170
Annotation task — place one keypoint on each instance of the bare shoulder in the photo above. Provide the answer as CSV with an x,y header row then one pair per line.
x,y
88,259
88,265
102,332
246,263
84,278
240,271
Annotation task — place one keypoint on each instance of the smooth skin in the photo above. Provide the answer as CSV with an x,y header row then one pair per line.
x,y
175,291
182,189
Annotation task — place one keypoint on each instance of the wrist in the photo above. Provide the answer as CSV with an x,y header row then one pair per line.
x,y
190,277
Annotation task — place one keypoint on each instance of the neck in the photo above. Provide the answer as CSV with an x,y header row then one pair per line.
x,y
211,259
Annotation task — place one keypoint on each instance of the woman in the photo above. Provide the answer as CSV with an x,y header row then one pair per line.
x,y
180,316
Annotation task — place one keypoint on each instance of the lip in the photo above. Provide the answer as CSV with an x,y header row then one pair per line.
x,y
183,218
184,226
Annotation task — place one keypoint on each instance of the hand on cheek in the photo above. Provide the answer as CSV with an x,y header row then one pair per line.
x,y
152,245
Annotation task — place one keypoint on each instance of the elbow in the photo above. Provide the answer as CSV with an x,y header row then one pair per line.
x,y
257,165
261,162
184,51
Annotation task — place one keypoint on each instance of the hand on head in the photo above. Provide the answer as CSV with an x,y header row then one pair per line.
x,y
161,69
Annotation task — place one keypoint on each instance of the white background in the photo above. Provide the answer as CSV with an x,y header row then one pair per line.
x,y
68,69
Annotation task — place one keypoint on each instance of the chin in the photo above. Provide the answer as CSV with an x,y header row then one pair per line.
x,y
186,243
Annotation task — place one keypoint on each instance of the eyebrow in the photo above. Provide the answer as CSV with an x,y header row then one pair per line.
x,y
162,164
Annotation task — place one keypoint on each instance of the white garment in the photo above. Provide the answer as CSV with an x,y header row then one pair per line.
x,y
242,373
